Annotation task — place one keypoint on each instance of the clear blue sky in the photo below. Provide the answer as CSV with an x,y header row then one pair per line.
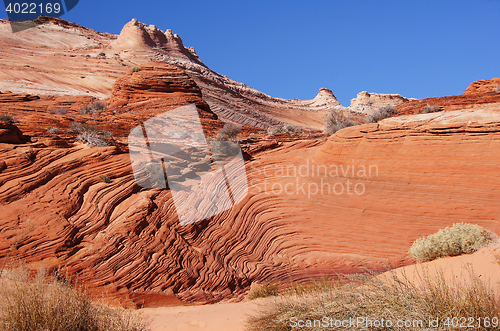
x,y
290,49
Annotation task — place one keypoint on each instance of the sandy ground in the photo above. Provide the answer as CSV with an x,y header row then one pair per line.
x,y
232,316
216,317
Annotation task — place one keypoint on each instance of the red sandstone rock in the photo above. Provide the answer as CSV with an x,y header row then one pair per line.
x,y
484,85
9,133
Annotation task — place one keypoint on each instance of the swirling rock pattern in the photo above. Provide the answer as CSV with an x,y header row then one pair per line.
x,y
432,170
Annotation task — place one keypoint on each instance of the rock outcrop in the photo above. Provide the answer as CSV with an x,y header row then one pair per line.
x,y
139,36
158,81
9,133
368,103
484,85
312,208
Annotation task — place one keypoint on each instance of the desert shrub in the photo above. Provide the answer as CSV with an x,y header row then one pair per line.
x,y
496,89
225,143
382,113
102,54
155,174
228,132
53,130
93,137
136,69
431,109
224,148
336,120
461,238
76,127
7,118
262,290
42,302
382,298
60,111
105,178
92,108
281,129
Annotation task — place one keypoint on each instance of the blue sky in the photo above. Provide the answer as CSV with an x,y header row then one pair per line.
x,y
290,49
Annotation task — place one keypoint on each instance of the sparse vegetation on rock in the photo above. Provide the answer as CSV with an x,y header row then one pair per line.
x,y
136,69
228,132
42,302
225,143
105,179
382,113
60,111
90,135
262,290
281,129
461,238
394,298
336,120
496,89
92,108
431,109
155,174
7,118
53,130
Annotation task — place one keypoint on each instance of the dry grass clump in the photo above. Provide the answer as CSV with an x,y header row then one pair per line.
x,y
336,120
431,109
262,290
53,130
136,69
369,302
90,135
7,118
382,113
105,178
461,238
225,143
281,129
95,138
228,132
92,108
60,111
43,303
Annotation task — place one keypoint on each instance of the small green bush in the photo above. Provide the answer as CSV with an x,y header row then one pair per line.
x,y
136,69
461,238
262,290
336,120
382,113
